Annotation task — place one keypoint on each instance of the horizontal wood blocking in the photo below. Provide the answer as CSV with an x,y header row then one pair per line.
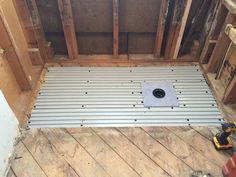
x,y
221,47
38,29
118,26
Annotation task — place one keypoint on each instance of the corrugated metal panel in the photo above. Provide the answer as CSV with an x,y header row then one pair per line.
x,y
111,96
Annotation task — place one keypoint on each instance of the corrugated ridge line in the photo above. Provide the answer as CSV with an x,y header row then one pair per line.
x,y
80,89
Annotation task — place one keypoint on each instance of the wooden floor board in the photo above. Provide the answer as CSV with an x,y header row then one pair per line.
x,y
24,165
11,173
130,153
47,156
201,144
108,158
116,152
74,153
183,151
157,152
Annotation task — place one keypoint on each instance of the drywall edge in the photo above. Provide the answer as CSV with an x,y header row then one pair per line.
x,y
9,131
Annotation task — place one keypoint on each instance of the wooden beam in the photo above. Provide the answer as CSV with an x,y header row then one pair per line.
x,y
28,29
197,21
221,46
161,27
38,29
218,16
230,96
182,28
68,27
26,23
175,27
13,59
116,28
206,28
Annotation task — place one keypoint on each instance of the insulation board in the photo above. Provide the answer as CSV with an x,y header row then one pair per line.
x,y
112,97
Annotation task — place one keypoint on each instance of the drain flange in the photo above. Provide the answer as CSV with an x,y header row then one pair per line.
x,y
159,93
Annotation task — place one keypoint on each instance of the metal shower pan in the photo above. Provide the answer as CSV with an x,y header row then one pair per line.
x,y
112,97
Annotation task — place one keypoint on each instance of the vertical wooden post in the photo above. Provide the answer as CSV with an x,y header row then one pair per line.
x,y
28,29
68,27
202,11
26,23
13,59
218,17
180,33
221,47
161,27
38,29
115,28
175,28
230,96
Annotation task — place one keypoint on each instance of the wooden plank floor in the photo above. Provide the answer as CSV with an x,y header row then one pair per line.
x,y
117,152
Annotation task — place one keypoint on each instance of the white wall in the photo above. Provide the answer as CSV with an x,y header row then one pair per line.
x,y
8,132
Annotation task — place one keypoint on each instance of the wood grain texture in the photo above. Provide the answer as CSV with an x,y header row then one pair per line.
x,y
161,27
230,96
79,159
16,34
174,29
103,154
221,47
20,71
68,27
38,28
23,158
201,144
210,16
28,29
218,16
133,156
35,56
115,28
157,151
26,23
8,83
180,33
11,173
197,22
53,163
183,151
111,152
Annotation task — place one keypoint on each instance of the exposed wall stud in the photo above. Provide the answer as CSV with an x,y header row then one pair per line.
x,y
221,46
12,58
182,28
116,28
38,29
161,27
218,21
68,27
230,96
175,27
28,29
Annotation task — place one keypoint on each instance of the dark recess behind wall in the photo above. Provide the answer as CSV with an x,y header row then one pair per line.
x,y
94,25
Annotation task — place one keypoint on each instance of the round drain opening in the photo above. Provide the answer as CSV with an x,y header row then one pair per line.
x,y
159,93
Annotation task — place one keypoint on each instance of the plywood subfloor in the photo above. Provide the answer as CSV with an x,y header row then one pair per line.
x,y
117,152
